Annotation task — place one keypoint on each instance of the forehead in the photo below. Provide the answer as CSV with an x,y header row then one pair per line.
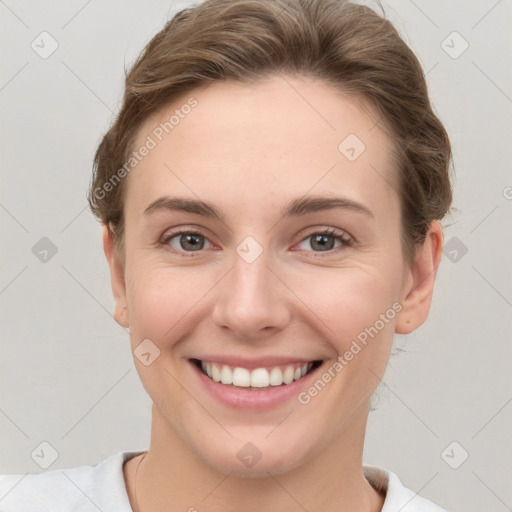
x,y
281,136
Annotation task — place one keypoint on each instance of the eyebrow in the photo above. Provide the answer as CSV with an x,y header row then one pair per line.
x,y
296,207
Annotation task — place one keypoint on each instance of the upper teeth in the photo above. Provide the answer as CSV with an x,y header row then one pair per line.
x,y
257,378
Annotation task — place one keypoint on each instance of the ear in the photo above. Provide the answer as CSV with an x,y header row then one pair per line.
x,y
116,278
419,283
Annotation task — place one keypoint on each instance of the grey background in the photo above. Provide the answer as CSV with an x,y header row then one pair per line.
x,y
66,372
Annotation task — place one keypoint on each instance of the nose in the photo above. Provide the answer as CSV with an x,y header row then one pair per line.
x,y
252,301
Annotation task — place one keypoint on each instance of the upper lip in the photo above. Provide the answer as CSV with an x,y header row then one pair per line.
x,y
252,363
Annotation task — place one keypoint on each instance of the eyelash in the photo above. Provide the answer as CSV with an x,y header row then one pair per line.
x,y
345,240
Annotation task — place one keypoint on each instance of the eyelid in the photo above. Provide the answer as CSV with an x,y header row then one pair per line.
x,y
171,233
347,240
336,232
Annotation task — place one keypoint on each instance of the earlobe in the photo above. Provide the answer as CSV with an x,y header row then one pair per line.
x,y
116,279
417,295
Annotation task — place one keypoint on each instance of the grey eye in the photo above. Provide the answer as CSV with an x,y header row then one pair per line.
x,y
189,242
322,242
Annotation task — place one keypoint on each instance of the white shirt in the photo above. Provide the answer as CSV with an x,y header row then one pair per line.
x,y
101,488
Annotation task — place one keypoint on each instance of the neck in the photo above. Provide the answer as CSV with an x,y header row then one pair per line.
x,y
172,478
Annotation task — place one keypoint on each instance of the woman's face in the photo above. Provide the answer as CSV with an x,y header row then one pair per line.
x,y
259,290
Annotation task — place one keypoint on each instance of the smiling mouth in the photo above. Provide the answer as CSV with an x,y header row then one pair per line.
x,y
257,378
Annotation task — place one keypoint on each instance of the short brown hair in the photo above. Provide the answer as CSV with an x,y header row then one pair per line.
x,y
349,46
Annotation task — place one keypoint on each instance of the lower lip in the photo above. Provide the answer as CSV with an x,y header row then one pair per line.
x,y
253,399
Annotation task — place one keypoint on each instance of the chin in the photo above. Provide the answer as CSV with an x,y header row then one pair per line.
x,y
257,459
274,465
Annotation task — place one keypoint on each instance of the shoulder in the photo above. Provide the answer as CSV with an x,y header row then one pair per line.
x,y
398,497
81,489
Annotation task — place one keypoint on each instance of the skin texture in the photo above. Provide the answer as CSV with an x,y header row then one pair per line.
x,y
250,149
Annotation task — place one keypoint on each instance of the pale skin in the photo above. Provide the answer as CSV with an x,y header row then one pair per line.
x,y
249,150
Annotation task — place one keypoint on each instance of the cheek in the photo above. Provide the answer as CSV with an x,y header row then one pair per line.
x,y
162,300
164,304
357,308
350,300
